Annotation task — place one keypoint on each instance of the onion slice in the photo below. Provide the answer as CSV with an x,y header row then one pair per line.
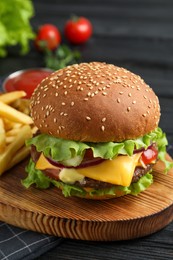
x,y
85,163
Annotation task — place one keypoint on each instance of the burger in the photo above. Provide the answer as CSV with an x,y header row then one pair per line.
x,y
98,134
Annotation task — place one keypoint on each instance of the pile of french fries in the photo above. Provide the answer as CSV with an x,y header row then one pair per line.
x,y
15,128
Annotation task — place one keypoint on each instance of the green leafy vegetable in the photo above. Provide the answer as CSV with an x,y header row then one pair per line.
x,y
61,57
60,149
15,25
35,177
41,181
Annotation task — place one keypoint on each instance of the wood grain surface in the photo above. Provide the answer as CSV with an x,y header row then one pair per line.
x,y
47,211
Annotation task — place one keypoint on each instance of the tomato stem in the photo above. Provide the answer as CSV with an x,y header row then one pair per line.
x,y
74,17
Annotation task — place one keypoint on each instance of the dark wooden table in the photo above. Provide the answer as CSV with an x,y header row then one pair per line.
x,y
135,34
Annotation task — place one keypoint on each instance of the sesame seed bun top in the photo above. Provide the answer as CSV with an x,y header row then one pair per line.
x,y
95,102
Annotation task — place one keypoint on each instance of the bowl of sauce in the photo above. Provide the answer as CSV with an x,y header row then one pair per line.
x,y
26,80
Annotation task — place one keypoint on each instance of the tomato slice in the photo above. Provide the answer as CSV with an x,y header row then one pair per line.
x,y
149,155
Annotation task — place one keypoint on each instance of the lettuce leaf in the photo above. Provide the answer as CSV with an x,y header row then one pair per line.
x,y
43,182
15,25
62,150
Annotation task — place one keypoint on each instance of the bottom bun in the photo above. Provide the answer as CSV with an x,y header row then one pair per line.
x,y
90,196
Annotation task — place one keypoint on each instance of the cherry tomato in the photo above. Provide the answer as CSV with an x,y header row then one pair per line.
x,y
149,155
78,30
50,34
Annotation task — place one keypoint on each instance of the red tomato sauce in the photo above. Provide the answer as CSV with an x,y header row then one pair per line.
x,y
26,80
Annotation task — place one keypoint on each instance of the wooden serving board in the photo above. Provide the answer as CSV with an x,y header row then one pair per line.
x,y
47,211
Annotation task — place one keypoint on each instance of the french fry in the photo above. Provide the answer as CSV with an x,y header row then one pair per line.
x,y
12,148
22,105
10,97
2,136
20,155
14,115
8,125
13,132
34,129
16,126
9,139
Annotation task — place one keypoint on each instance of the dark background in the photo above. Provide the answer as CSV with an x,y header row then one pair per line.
x,y
135,34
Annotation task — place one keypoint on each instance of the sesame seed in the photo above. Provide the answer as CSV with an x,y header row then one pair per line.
x,y
144,115
55,120
63,103
120,92
145,97
47,113
72,103
56,94
129,94
134,102
118,100
103,119
85,99
88,118
128,109
104,93
103,128
65,93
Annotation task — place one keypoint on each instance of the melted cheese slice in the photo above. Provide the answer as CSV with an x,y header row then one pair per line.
x,y
43,163
118,171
